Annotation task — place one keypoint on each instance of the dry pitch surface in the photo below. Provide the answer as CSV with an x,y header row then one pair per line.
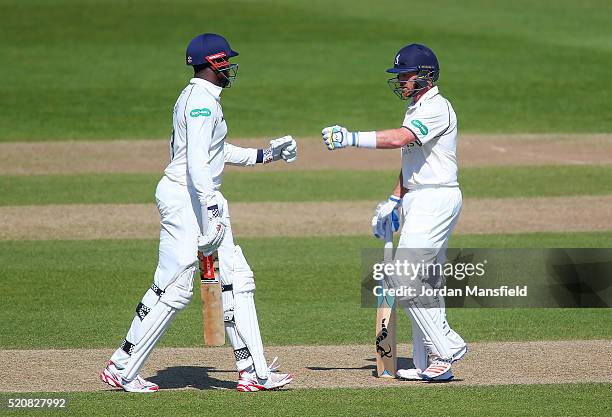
x,y
141,221
492,363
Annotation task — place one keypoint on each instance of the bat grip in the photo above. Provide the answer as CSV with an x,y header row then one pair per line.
x,y
388,254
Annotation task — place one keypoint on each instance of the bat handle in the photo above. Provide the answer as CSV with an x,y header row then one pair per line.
x,y
388,241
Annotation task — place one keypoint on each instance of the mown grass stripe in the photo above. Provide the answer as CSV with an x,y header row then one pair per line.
x,y
545,181
591,399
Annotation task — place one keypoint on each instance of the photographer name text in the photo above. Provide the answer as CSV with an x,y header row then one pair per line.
x,y
475,291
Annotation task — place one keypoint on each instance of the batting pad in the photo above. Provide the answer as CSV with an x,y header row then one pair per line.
x,y
247,327
245,314
241,352
429,326
144,334
161,317
419,353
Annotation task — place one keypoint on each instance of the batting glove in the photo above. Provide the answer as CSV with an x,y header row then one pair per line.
x,y
337,137
213,236
281,148
386,211
289,153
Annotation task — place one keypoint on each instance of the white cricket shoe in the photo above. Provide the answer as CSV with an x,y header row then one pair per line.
x,y
112,376
249,382
411,374
416,374
438,370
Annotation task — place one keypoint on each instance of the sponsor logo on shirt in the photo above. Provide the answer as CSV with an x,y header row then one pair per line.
x,y
419,125
199,112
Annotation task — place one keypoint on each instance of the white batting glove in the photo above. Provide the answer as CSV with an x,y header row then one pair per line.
x,y
385,212
210,241
337,137
289,153
281,148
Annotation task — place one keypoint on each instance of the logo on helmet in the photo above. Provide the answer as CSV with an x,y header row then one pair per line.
x,y
218,61
200,112
419,125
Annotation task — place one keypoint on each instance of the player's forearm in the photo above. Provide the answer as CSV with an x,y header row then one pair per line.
x,y
394,138
336,137
199,174
200,178
237,155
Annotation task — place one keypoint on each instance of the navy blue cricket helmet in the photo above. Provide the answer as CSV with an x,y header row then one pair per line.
x,y
414,58
213,50
206,45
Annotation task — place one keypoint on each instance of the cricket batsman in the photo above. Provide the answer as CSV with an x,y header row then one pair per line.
x,y
195,215
428,192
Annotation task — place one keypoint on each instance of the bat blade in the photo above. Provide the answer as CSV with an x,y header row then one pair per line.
x,y
386,342
212,306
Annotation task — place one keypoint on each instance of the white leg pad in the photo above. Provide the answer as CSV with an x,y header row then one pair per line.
x,y
241,353
454,340
419,353
151,323
161,318
434,336
245,314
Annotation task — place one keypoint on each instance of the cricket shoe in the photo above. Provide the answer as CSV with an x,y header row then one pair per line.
x,y
249,382
411,374
438,370
112,376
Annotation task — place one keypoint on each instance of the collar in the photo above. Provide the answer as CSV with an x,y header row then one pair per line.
x,y
432,92
214,90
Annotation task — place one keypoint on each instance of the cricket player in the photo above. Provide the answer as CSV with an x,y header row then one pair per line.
x,y
195,215
429,194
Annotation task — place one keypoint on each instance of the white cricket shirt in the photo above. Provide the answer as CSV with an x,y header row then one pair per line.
x,y
432,159
197,142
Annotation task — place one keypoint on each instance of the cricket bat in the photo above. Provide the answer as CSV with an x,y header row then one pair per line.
x,y
386,345
212,306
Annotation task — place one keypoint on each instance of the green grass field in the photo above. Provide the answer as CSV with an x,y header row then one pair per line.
x,y
554,400
539,181
88,69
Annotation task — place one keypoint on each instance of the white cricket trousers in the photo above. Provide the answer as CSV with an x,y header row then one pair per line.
x,y
429,217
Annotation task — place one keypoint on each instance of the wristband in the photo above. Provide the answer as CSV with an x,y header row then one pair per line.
x,y
366,140
264,156
213,210
395,199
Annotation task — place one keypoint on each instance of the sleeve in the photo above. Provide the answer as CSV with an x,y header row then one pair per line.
x,y
428,122
236,155
200,119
